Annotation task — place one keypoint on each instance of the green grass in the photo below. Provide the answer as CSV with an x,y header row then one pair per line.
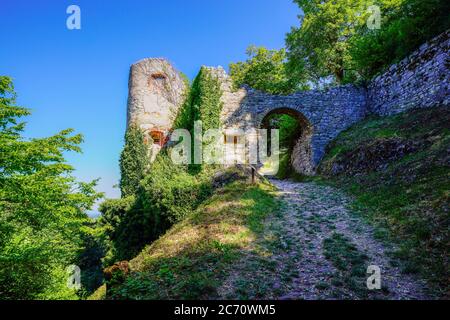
x,y
406,198
196,255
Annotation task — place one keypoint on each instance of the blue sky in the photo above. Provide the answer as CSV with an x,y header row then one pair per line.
x,y
79,78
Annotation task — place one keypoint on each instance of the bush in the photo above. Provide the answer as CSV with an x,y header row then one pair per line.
x,y
125,225
170,192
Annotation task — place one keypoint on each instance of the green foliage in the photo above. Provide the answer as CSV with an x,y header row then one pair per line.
x,y
133,161
126,227
99,294
205,99
404,29
333,38
266,70
166,193
90,259
320,44
185,118
42,207
289,132
170,193
406,196
202,102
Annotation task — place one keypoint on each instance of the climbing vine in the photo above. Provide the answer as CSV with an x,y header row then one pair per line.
x,y
205,99
133,161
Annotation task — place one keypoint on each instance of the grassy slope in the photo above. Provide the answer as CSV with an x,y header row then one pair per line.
x,y
398,170
195,257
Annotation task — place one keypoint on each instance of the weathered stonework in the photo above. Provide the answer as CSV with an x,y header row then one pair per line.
x,y
420,80
322,114
156,92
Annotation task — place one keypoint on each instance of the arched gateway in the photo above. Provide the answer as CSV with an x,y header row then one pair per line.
x,y
322,115
301,157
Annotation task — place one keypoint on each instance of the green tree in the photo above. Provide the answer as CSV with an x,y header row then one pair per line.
x,y
404,28
266,70
321,43
42,207
333,38
133,161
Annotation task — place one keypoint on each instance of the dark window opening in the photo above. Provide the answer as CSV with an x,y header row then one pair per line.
x,y
158,76
157,137
231,139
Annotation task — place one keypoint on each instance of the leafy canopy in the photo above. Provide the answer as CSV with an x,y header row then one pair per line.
x,y
266,70
321,41
405,26
42,207
333,39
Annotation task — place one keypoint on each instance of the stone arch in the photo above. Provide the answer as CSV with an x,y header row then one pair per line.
x,y
302,153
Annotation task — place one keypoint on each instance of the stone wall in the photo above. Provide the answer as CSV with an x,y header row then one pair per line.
x,y
420,80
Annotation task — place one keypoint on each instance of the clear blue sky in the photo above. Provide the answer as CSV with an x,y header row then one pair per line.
x,y
79,78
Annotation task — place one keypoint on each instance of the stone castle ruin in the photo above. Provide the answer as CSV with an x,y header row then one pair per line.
x,y
156,93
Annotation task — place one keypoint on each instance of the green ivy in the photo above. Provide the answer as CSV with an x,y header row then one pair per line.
x,y
205,99
133,161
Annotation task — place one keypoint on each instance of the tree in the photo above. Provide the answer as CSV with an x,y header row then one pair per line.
x,y
42,207
266,70
333,38
321,41
133,161
404,28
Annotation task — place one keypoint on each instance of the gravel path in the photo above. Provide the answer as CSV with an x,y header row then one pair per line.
x,y
313,213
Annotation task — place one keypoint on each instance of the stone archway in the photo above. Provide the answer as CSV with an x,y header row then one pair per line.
x,y
302,153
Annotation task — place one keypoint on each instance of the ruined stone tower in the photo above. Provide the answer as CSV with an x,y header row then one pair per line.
x,y
156,92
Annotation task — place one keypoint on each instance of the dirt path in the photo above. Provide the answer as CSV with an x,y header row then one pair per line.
x,y
333,249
